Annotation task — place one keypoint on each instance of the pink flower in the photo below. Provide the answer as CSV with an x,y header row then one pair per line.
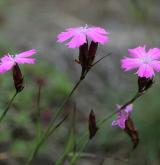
x,y
122,116
8,61
146,62
78,36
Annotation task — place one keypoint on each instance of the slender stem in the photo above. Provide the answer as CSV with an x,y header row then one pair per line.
x,y
49,130
42,140
38,99
75,155
69,146
132,100
8,106
101,59
38,112
58,125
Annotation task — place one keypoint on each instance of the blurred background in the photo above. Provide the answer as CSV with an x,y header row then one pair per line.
x,y
27,24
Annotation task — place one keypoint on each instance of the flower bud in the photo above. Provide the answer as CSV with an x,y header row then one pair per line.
x,y
131,130
92,52
83,58
18,78
92,125
144,84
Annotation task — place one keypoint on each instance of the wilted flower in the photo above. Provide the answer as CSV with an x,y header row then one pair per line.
x,y
79,35
9,61
131,130
146,62
122,116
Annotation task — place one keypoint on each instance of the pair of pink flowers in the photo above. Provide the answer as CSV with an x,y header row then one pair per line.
x,y
147,62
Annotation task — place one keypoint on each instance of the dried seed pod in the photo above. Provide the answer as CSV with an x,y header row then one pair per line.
x,y
131,130
92,125
18,78
144,84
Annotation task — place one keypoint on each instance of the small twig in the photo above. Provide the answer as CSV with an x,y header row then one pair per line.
x,y
59,124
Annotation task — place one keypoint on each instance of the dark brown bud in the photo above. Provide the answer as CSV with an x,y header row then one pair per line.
x,y
92,53
144,84
18,78
131,130
92,125
83,58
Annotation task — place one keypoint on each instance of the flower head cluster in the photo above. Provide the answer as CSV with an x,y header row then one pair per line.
x,y
7,62
122,116
79,35
147,62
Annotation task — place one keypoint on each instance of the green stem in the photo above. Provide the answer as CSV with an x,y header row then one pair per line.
x,y
8,106
101,59
50,130
75,155
70,144
38,112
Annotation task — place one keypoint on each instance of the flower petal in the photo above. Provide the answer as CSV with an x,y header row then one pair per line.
x,y
121,123
97,37
98,30
145,70
129,108
27,53
156,65
6,66
63,36
78,35
114,123
130,63
154,53
78,40
69,33
25,60
137,52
